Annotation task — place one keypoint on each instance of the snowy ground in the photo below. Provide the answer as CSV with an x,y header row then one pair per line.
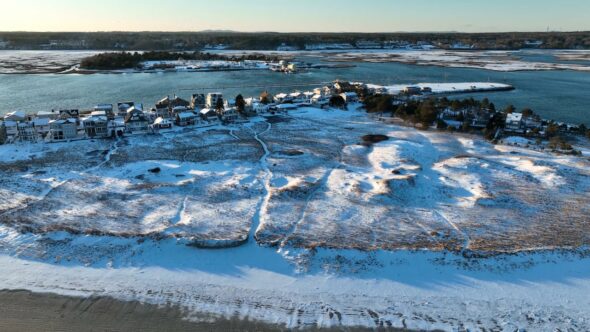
x,y
446,88
351,233
490,60
40,62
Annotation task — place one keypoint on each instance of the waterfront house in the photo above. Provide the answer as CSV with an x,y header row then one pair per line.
x,y
185,119
96,126
451,114
179,109
116,127
179,102
230,114
15,116
26,132
107,109
209,114
41,126
11,128
123,107
165,106
136,121
51,115
63,129
213,99
514,122
162,123
198,101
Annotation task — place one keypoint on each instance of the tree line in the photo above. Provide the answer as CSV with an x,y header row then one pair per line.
x,y
148,41
125,60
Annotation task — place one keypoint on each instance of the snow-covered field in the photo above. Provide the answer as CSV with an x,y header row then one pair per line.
x,y
319,228
490,60
446,88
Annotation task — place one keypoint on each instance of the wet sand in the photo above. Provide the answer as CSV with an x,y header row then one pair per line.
x,y
26,311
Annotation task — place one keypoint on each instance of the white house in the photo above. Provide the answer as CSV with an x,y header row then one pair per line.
x,y
212,99
116,127
162,123
52,115
136,121
26,132
41,126
96,126
107,109
63,129
123,107
513,122
11,128
185,119
230,114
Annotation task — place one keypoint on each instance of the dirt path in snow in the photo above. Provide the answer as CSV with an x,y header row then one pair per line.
x,y
263,204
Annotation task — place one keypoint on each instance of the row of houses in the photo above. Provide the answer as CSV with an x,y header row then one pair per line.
x,y
479,118
128,118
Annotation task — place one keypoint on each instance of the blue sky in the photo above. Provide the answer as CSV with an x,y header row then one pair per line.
x,y
300,16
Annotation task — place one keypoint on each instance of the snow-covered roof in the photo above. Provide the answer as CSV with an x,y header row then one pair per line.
x,y
514,117
62,121
46,113
41,121
179,108
103,107
98,113
96,118
206,111
186,115
161,120
16,115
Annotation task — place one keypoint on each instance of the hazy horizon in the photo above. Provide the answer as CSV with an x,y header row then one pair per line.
x,y
305,16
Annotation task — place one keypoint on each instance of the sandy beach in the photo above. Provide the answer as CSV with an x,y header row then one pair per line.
x,y
22,310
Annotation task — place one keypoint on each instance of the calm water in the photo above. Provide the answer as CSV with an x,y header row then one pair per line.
x,y
560,95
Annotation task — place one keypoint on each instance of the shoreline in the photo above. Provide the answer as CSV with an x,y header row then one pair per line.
x,y
23,310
